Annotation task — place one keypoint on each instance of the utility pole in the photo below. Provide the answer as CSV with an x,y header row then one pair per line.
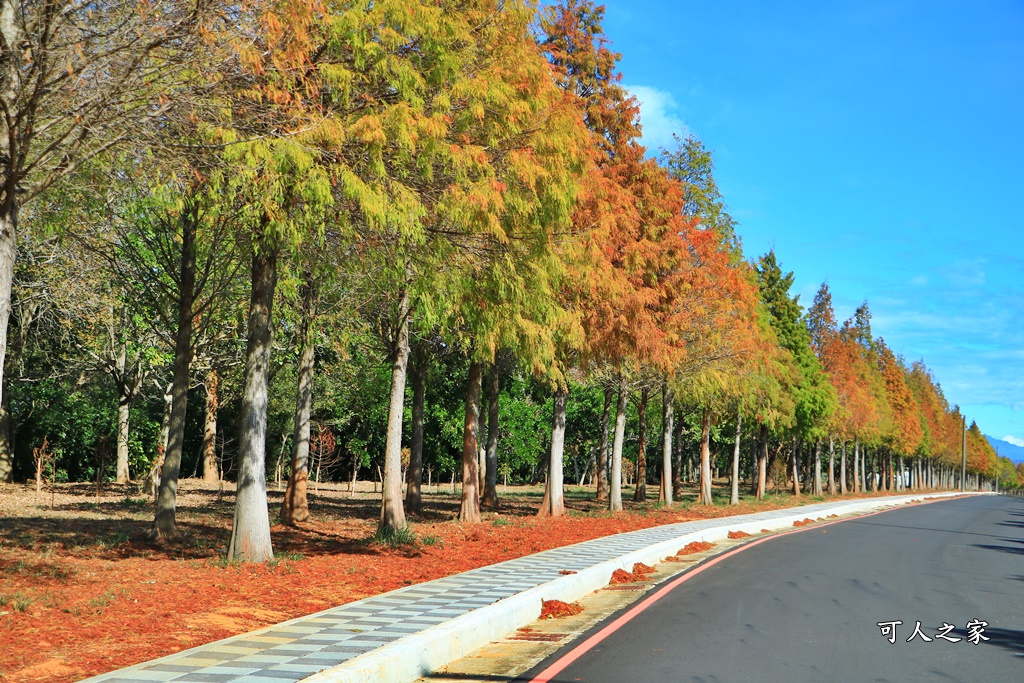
x,y
963,457
997,471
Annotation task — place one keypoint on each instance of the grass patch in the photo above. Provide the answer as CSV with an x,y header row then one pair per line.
x,y
224,561
394,538
103,600
17,602
280,558
431,540
41,570
113,540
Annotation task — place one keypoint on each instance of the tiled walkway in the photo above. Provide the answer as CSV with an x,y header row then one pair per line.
x,y
295,649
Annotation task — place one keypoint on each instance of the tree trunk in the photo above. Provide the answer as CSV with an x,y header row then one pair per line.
x,y
470,509
602,453
874,470
842,468
640,492
124,412
554,499
677,461
392,514
831,465
481,443
250,535
734,495
414,475
6,445
355,476
762,462
817,467
806,459
211,473
794,466
615,497
856,466
753,465
152,484
164,524
705,459
863,469
8,240
295,506
490,498
124,405
667,418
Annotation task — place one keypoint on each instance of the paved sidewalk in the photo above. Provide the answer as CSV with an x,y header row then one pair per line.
x,y
455,613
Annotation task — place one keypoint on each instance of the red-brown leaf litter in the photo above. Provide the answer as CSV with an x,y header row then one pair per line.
x,y
694,547
738,534
621,576
82,592
555,609
641,569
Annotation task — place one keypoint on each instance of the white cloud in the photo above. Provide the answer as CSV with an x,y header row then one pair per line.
x,y
1014,440
659,116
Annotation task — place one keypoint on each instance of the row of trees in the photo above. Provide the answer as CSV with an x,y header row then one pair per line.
x,y
259,203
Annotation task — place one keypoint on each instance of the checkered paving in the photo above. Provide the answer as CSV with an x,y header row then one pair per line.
x,y
293,650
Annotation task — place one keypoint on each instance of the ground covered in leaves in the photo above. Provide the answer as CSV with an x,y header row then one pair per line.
x,y
83,592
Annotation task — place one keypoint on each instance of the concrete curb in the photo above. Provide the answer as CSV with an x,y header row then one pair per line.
x,y
433,648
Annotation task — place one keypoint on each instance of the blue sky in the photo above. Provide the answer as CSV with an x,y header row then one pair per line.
x,y
876,146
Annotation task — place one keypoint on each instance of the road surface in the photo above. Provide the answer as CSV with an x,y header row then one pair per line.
x,y
806,606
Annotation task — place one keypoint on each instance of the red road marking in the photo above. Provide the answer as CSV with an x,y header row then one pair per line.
x,y
547,674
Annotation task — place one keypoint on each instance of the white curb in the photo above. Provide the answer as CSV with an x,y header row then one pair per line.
x,y
433,648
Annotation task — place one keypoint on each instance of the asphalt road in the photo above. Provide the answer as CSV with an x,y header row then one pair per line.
x,y
805,606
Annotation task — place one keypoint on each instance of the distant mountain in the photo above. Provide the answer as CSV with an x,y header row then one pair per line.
x,y
1007,449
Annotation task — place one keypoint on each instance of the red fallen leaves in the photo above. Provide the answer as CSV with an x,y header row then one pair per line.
x,y
691,548
640,569
639,573
803,522
738,534
620,576
566,572
555,609
695,547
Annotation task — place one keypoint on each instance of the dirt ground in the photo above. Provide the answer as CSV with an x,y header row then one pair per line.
x,y
83,592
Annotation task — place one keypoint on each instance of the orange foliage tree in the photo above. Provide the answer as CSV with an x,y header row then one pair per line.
x,y
906,434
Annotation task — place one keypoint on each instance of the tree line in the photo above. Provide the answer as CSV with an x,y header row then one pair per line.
x,y
412,239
